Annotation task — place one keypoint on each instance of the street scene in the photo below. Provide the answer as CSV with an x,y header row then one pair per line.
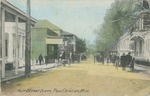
x,y
75,48
83,79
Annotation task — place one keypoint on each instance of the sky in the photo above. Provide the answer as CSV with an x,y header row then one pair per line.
x,y
80,17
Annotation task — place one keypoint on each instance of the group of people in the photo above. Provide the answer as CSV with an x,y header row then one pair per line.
x,y
123,61
63,57
127,60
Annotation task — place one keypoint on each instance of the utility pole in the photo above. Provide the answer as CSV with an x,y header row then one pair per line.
x,y
28,42
0,45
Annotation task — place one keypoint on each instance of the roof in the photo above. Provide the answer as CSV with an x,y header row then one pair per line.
x,y
65,33
46,24
14,8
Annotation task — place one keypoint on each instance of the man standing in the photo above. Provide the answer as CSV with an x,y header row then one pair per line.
x,y
46,59
70,57
132,64
129,58
123,62
40,58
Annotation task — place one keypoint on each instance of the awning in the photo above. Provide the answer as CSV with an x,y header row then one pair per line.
x,y
54,41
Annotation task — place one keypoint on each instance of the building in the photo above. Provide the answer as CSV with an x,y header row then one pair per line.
x,y
12,32
136,38
71,39
50,40
45,40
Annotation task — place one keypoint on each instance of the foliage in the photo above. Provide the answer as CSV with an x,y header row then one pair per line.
x,y
91,49
116,18
80,45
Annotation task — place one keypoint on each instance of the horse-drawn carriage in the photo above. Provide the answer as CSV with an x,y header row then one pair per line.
x,y
99,57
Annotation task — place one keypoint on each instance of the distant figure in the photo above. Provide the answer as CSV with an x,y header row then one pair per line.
x,y
123,62
132,64
128,58
46,59
117,62
102,59
98,58
40,58
70,57
94,59
114,59
78,58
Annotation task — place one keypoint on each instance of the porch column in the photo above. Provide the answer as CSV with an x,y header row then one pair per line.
x,y
10,47
20,50
142,27
135,48
144,48
138,48
140,24
16,45
0,40
74,44
0,44
145,51
3,43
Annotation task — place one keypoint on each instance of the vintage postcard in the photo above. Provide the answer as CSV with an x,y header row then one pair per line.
x,y
74,47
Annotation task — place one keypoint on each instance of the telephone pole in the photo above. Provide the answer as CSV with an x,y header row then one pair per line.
x,y
0,45
28,42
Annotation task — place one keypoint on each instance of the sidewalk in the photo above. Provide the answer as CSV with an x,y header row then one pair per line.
x,y
10,75
143,69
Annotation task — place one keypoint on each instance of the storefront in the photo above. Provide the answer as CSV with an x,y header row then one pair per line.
x,y
13,29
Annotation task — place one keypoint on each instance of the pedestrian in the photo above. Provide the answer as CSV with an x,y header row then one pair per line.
x,y
132,64
128,58
40,58
94,58
123,62
114,59
70,58
98,58
46,59
102,59
117,62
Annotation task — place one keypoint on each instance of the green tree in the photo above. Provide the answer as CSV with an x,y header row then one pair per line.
x,y
91,49
116,18
80,45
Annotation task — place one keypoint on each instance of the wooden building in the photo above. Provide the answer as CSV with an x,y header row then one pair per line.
x,y
12,36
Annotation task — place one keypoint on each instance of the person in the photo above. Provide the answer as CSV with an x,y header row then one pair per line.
x,y
123,62
102,59
98,58
114,59
132,64
117,62
128,58
40,58
70,57
94,58
46,59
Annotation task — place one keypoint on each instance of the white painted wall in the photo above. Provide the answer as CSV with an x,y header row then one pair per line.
x,y
11,30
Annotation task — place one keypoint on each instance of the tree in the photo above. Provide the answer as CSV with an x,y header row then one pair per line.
x,y
91,48
116,18
80,45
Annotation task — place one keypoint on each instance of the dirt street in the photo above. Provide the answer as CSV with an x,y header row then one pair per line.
x,y
84,79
